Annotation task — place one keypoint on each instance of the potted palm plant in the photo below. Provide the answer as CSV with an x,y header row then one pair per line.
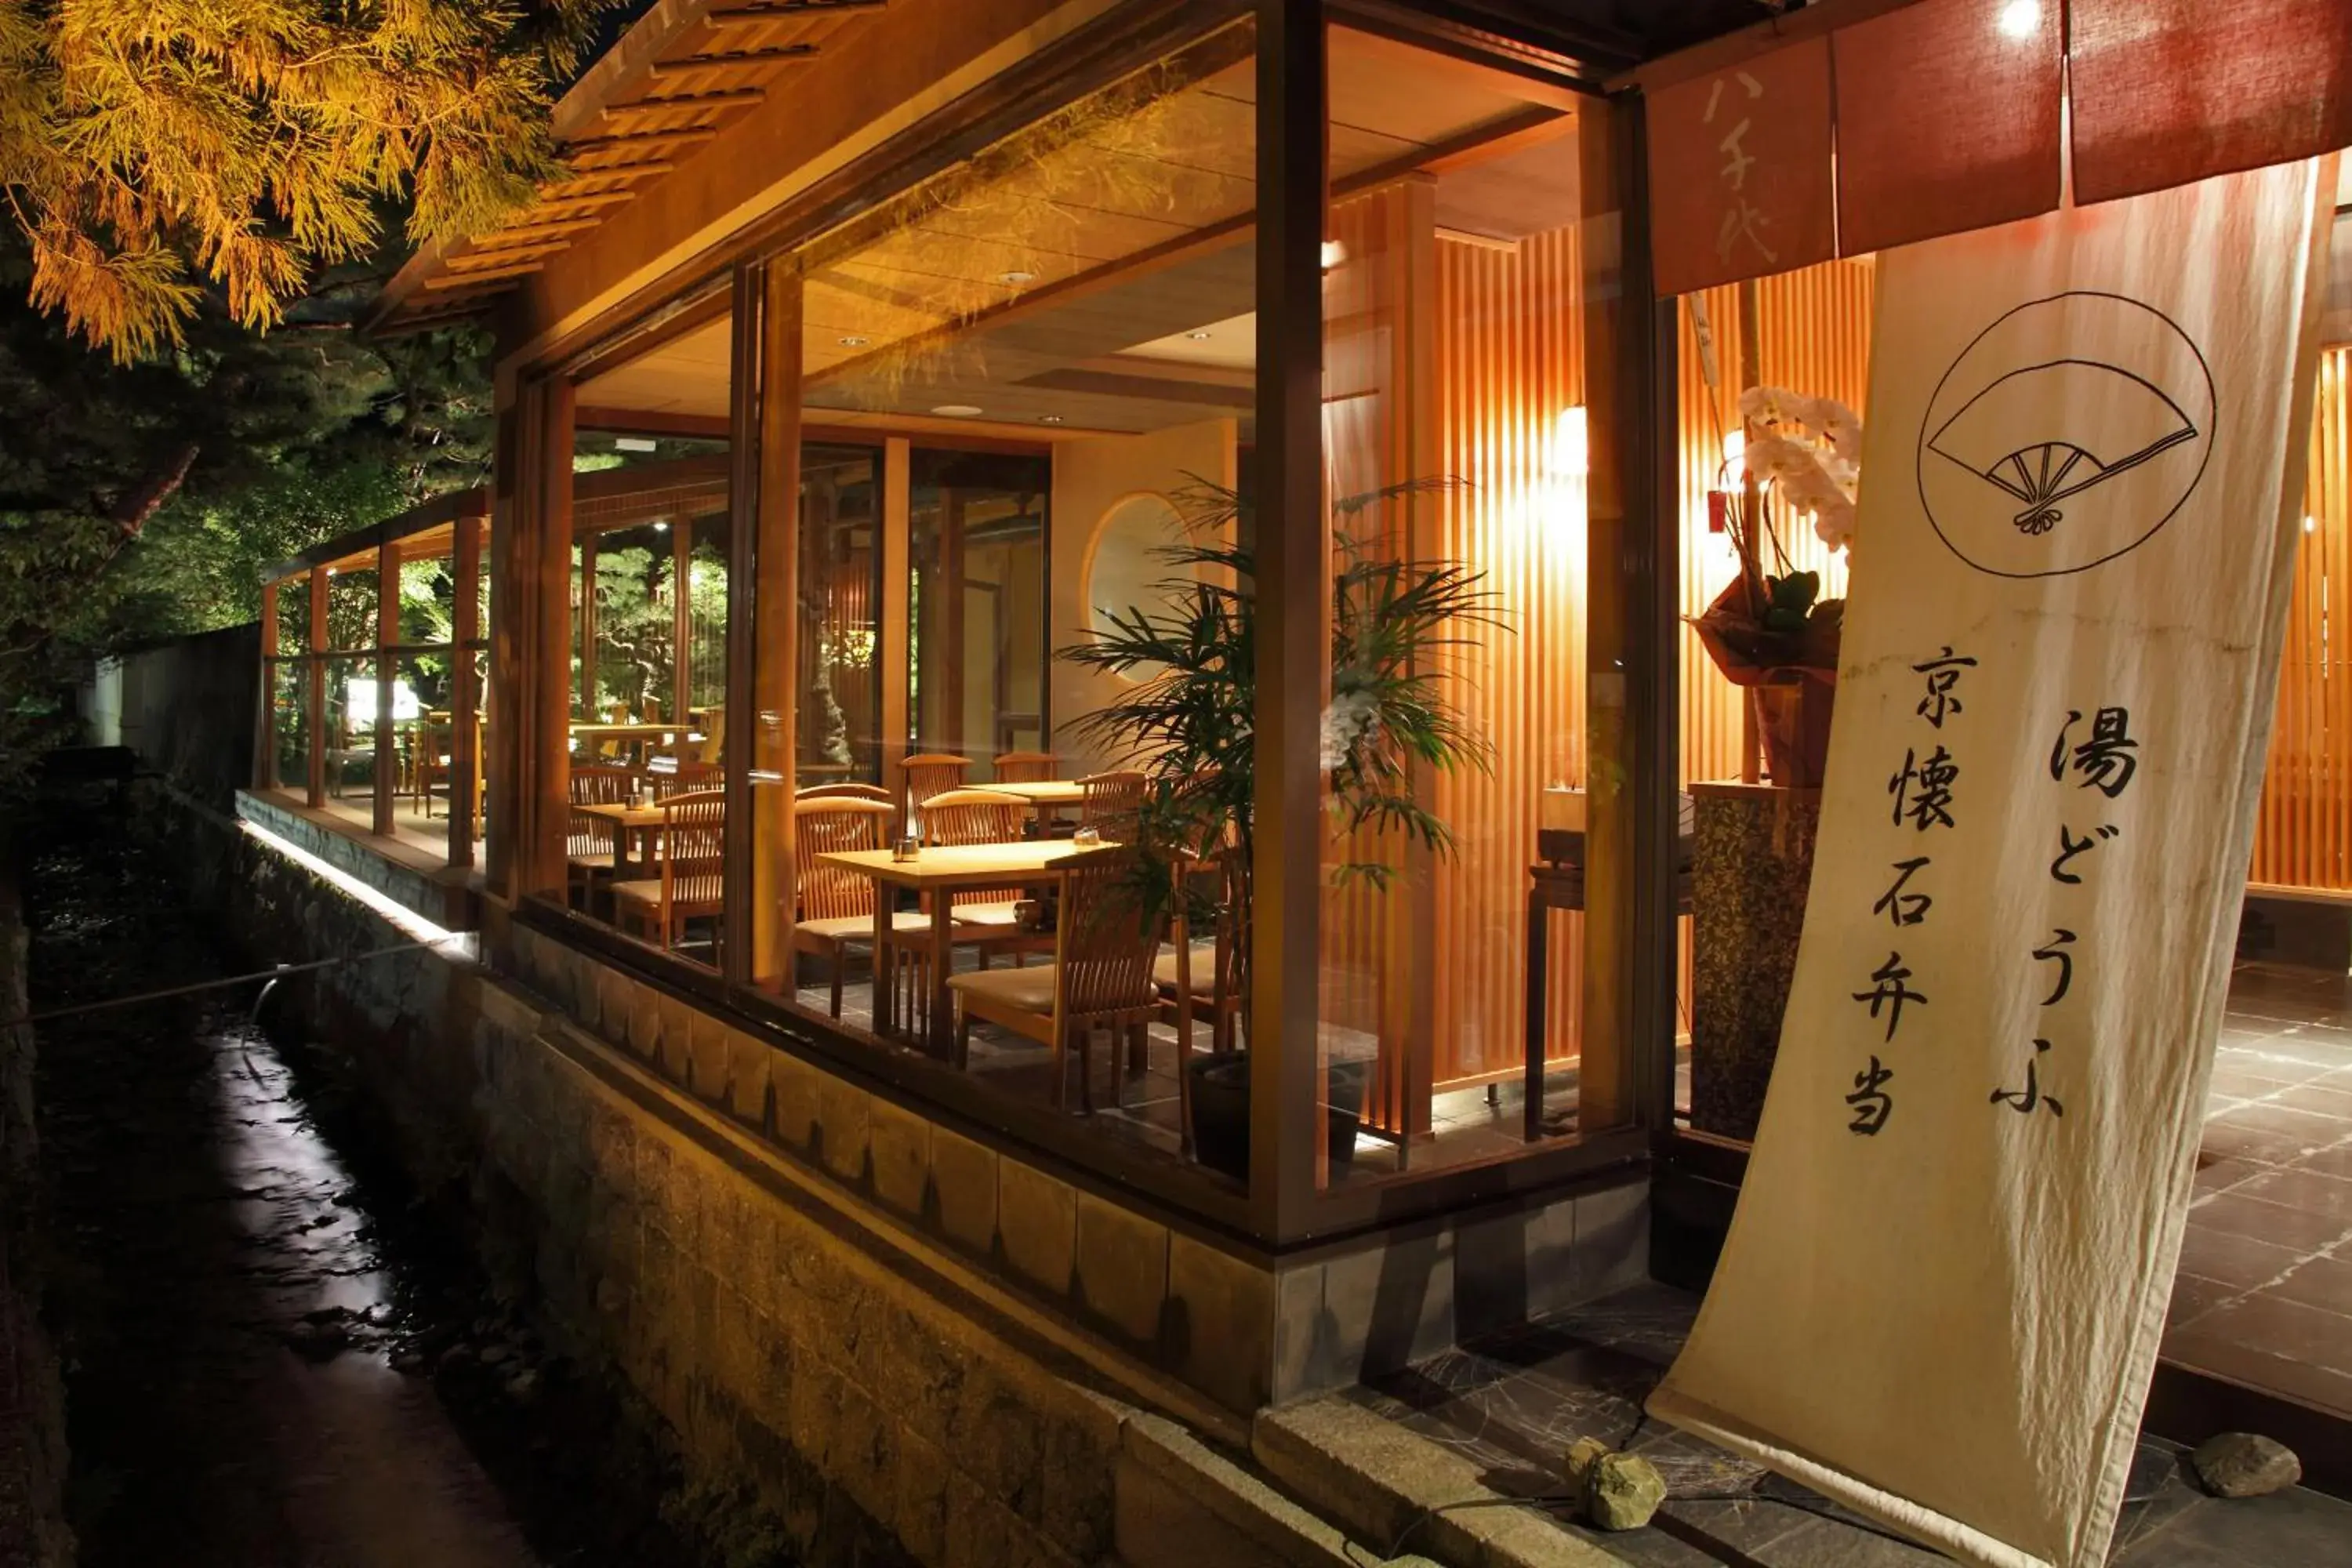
x,y
1188,724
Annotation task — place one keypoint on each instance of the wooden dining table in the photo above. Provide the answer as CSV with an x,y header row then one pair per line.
x,y
941,871
1044,794
633,824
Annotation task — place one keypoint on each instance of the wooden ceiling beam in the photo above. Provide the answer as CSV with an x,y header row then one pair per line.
x,y
732,98
784,11
581,178
753,59
528,233
692,135
443,281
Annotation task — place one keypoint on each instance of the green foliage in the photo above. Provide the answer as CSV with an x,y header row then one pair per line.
x,y
1190,724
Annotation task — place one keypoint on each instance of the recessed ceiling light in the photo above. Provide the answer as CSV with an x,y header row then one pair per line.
x,y
635,444
956,410
1016,278
1056,419
660,526
855,342
1199,337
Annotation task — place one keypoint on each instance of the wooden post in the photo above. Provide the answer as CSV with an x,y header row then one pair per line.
x,y
1751,499
681,697
946,727
387,638
513,532
315,790
547,735
587,612
264,730
743,507
465,631
890,655
1293,605
776,680
1628,940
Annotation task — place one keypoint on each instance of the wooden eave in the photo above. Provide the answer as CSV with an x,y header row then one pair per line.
x,y
417,530
680,76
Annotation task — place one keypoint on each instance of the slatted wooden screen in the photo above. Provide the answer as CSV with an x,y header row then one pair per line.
x,y
2302,836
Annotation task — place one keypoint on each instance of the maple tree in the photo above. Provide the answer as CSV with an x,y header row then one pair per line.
x,y
152,150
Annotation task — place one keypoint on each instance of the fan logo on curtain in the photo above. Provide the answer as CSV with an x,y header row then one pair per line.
x,y
2034,466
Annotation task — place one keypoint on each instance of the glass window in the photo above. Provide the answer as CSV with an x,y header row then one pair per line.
x,y
1455,700
977,652
840,614
646,797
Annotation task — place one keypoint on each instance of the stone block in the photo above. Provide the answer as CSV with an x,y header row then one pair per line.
x,y
614,998
1384,1305
963,1191
841,1130
795,1082
645,1022
864,1454
670,1040
1612,1242
979,1530
1037,1222
747,1078
1076,1504
1122,1267
707,1065
816,1392
920,1515
996,1433
900,1143
1220,1323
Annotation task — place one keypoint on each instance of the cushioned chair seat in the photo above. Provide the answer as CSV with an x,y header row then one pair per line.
x,y
645,892
1204,961
592,862
1030,990
1004,914
849,927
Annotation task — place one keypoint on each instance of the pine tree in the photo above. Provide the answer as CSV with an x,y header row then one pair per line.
x,y
153,149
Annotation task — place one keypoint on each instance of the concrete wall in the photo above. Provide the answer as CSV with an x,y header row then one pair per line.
x,y
188,708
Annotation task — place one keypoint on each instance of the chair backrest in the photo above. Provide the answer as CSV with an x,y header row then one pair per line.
x,y
593,785
1103,945
1026,768
836,825
694,839
686,777
927,773
843,792
972,816
1112,803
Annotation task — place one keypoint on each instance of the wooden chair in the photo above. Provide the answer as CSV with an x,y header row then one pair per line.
x,y
1215,986
834,908
589,841
845,791
927,773
1100,977
693,868
687,778
1112,804
1026,768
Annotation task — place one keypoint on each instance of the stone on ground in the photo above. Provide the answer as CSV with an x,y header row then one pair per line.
x,y
1622,1490
1581,1455
2245,1464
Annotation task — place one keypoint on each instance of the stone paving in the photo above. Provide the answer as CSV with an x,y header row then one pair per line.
x,y
2264,1296
1513,1402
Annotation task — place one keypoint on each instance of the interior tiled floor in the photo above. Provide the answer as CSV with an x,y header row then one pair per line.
x,y
2264,1291
1513,1402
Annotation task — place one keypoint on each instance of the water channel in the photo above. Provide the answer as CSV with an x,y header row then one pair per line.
x,y
276,1354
